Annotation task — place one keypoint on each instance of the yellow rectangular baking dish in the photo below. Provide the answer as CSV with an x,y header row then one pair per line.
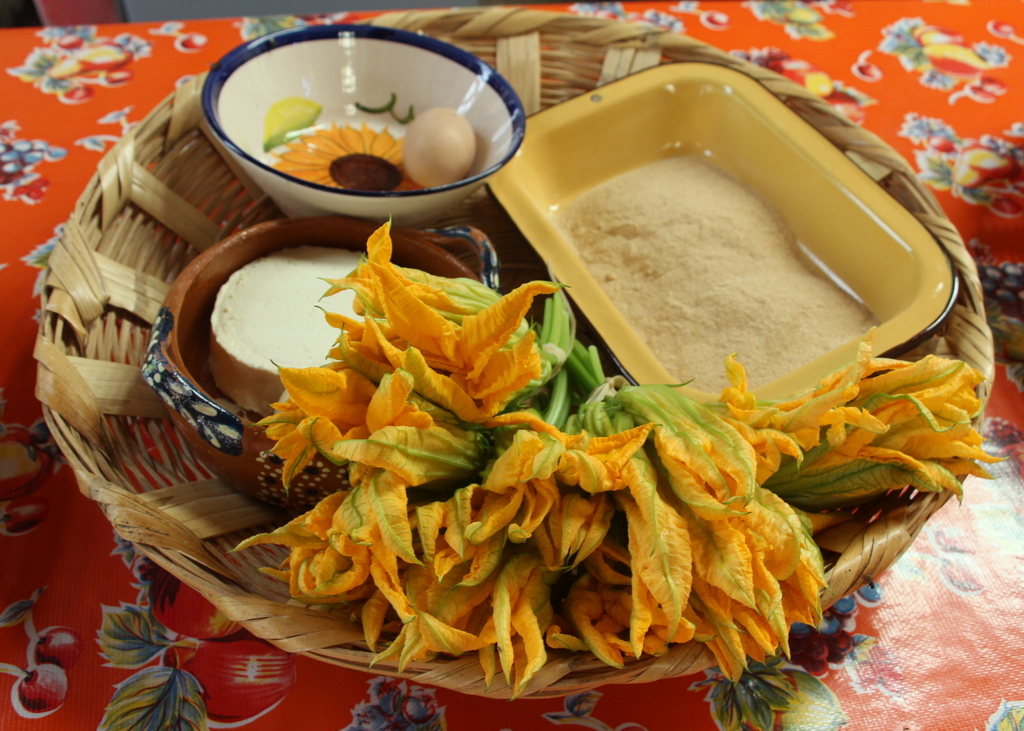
x,y
857,232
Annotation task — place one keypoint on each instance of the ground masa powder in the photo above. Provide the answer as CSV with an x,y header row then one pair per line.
x,y
702,267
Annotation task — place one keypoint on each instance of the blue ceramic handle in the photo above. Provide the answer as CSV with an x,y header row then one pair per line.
x,y
217,426
490,267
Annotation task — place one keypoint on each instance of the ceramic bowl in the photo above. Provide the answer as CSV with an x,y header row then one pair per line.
x,y
859,235
177,361
312,86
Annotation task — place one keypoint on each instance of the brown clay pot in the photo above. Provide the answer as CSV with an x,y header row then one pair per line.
x,y
177,364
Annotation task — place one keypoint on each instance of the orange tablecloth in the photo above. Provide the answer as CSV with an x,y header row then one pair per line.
x,y
935,644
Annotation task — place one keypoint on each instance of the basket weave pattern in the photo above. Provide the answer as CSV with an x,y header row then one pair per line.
x,y
166,192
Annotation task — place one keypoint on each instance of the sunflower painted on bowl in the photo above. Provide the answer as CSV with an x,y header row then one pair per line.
x,y
356,157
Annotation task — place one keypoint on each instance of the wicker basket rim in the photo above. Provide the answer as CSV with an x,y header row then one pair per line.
x,y
157,198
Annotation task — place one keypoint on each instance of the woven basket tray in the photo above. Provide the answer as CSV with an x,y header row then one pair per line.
x,y
165,192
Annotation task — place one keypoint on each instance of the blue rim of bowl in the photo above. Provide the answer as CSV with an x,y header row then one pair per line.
x,y
222,70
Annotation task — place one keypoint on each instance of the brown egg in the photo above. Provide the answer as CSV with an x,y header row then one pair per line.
x,y
439,147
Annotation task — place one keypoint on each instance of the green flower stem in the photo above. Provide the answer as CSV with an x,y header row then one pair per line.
x,y
555,336
558,406
581,366
548,322
595,363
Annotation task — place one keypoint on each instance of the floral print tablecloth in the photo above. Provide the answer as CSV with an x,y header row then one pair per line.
x,y
92,635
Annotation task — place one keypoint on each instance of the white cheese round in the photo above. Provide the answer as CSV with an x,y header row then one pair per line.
x,y
267,315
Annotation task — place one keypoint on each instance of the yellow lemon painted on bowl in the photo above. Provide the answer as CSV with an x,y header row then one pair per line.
x,y
290,114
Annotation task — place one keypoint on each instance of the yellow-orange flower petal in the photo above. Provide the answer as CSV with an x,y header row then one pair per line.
x,y
341,396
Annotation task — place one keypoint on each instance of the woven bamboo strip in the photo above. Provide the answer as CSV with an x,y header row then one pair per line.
x,y
118,388
62,305
186,110
63,389
623,61
517,58
131,289
209,508
72,262
166,206
167,190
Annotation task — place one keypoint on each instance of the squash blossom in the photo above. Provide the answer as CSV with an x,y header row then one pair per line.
x,y
430,353
653,520
710,555
874,426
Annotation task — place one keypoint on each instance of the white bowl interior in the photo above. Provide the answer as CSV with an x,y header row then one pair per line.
x,y
339,72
